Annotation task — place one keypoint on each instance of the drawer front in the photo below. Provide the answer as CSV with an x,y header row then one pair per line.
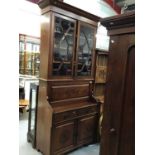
x,y
65,116
66,92
86,111
69,115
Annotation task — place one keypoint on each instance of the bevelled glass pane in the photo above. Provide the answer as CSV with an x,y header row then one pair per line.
x,y
63,46
85,49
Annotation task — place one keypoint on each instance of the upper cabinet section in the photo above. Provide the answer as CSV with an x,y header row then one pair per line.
x,y
68,42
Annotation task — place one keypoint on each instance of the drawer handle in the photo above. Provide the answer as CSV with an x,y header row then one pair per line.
x,y
74,112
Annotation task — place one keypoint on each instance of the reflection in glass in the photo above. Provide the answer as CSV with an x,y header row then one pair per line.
x,y
86,44
63,46
33,106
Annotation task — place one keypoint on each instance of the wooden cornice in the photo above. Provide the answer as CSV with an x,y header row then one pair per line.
x,y
119,21
60,4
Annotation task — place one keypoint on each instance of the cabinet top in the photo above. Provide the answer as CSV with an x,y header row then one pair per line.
x,y
119,21
62,5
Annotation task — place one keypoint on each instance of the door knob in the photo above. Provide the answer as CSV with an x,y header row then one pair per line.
x,y
113,131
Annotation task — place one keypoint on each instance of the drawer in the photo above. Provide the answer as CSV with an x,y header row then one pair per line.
x,y
65,116
71,114
86,111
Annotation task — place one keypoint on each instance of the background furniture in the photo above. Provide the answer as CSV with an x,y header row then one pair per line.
x,y
100,80
100,74
23,104
24,82
67,115
31,134
21,92
21,88
118,128
29,55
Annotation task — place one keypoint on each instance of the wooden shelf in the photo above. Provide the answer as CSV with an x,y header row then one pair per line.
x,y
64,62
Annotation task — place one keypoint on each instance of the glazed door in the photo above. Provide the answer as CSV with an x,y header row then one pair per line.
x,y
85,50
63,46
118,127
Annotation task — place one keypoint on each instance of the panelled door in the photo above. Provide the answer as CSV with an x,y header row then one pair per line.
x,y
118,127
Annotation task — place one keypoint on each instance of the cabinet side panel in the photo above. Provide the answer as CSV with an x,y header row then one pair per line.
x,y
44,120
45,45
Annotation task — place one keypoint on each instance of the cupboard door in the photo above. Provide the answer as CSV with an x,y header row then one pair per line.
x,y
127,133
63,48
85,50
63,136
118,123
87,129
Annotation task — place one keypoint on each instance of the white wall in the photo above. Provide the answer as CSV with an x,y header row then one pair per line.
x,y
29,18
102,40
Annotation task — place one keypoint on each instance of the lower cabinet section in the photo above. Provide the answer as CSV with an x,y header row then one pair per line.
x,y
61,130
70,134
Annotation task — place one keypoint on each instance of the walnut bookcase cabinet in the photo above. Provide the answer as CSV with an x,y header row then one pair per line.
x,y
67,115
